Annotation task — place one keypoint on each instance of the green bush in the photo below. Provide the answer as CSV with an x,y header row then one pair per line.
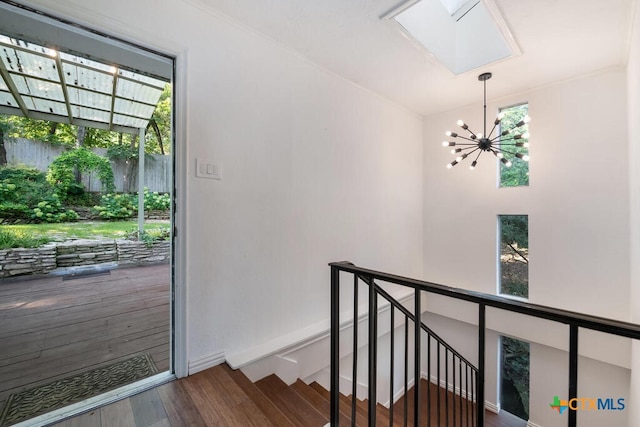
x,y
116,206
154,201
61,171
14,210
19,239
51,210
21,189
150,236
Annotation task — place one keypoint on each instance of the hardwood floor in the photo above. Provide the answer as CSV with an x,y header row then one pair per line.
x,y
52,328
220,396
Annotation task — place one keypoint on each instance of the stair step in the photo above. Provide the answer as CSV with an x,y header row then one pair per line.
x,y
222,402
293,406
270,410
317,400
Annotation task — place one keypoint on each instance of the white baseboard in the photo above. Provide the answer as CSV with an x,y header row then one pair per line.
x,y
206,362
530,424
491,407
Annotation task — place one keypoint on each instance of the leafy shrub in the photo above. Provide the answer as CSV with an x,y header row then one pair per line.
x,y
21,173
14,210
116,206
21,189
20,239
51,210
150,236
154,201
61,171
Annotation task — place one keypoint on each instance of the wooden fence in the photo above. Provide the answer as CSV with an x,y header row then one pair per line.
x,y
157,168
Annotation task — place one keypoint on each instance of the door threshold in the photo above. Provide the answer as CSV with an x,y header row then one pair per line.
x,y
98,401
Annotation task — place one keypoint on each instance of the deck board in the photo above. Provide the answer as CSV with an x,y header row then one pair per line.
x,y
54,328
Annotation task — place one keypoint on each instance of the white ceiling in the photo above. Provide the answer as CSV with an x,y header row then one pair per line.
x,y
559,39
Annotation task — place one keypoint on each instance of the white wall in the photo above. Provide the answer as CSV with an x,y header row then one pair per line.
x,y
578,207
577,201
315,169
633,100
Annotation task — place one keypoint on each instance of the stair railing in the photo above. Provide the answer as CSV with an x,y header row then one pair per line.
x,y
469,400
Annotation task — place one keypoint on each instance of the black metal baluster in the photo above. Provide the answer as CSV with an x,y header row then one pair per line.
x,y
406,368
373,350
391,367
446,386
573,372
354,374
474,401
438,383
460,388
416,357
481,358
466,393
335,357
428,380
453,370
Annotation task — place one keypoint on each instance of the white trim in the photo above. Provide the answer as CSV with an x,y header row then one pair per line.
x,y
298,339
491,407
99,400
531,424
180,291
206,362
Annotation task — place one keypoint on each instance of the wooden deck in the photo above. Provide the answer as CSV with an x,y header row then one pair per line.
x,y
52,328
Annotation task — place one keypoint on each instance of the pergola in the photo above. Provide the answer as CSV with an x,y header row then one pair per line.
x,y
44,83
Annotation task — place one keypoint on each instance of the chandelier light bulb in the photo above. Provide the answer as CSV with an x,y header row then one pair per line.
x,y
526,119
451,134
526,145
479,136
460,123
446,144
500,155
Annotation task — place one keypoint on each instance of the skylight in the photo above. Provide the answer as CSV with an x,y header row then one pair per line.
x,y
462,35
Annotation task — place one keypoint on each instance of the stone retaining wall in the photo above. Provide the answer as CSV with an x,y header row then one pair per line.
x,y
85,252
137,253
14,262
43,260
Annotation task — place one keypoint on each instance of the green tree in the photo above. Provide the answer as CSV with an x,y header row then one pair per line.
x,y
159,128
514,233
518,173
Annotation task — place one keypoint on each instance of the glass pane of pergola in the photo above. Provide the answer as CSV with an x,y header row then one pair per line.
x,y
68,88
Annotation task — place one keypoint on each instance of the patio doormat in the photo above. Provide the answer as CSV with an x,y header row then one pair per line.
x,y
39,400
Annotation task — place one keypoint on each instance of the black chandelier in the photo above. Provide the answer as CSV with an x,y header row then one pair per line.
x,y
502,143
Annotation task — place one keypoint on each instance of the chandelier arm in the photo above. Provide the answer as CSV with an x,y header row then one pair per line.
x,y
492,129
500,138
475,141
474,150
469,148
507,151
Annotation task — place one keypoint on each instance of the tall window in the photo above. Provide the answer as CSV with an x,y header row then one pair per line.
x,y
514,255
514,377
518,173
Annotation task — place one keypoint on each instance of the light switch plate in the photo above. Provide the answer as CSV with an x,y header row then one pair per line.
x,y
208,169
